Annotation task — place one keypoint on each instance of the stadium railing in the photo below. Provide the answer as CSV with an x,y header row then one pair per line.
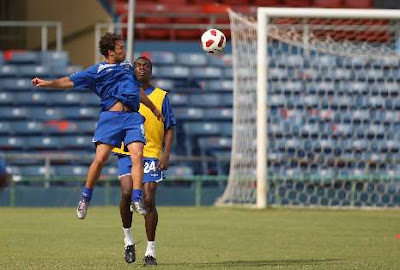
x,y
44,26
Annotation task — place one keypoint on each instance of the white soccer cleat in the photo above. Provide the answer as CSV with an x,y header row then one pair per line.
x,y
138,207
81,210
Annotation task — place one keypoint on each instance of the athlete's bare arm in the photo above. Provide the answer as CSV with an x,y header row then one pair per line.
x,y
163,164
62,83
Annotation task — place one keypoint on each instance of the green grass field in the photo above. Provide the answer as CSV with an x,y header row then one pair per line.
x,y
203,238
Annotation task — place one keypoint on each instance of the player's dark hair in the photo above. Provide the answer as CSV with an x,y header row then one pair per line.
x,y
107,42
145,59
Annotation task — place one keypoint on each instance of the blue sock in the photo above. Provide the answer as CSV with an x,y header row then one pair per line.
x,y
136,195
87,193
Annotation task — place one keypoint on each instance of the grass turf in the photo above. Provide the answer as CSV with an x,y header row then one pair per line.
x,y
203,238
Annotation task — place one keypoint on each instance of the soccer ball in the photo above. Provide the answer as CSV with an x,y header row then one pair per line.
x,y
213,41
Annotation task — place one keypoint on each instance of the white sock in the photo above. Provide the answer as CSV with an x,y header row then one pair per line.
x,y
128,238
151,249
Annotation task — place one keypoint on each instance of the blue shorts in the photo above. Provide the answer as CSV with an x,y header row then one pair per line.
x,y
116,127
151,174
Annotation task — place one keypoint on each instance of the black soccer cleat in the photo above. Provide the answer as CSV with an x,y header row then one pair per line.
x,y
149,261
130,256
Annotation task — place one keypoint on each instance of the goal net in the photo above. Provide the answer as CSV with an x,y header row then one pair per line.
x,y
321,91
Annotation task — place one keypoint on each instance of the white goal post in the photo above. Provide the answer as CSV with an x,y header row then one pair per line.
x,y
246,189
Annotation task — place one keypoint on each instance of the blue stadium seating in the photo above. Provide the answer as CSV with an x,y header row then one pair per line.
x,y
206,73
46,113
180,170
6,98
40,142
36,170
218,85
8,71
161,58
165,84
14,113
11,142
71,170
31,98
76,142
26,128
185,113
192,59
16,84
173,72
30,71
54,58
23,57
80,112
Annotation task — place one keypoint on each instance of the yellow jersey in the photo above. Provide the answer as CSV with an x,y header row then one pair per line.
x,y
153,128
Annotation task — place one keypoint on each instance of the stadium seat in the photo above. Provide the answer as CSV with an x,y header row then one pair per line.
x,y
54,58
59,71
7,71
328,3
30,98
6,98
42,143
174,72
70,170
297,3
21,57
358,4
11,143
80,112
46,113
178,99
220,60
76,142
214,143
219,114
211,100
30,71
5,128
191,59
16,84
62,98
189,113
179,170
36,170
165,84
208,129
60,127
14,113
26,127
87,98
218,85
206,73
159,57
228,73
86,126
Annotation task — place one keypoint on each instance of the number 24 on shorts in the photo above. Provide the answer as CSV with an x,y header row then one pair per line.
x,y
149,165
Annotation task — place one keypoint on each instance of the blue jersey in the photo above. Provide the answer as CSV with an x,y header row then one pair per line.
x,y
112,83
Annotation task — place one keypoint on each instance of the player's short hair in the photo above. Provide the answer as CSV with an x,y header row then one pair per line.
x,y
144,58
107,42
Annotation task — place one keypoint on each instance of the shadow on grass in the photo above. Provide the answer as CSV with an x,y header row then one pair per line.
x,y
258,263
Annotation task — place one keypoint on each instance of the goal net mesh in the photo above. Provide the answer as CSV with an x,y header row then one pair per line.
x,y
333,113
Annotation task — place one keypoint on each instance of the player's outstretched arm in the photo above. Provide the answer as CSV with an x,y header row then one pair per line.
x,y
147,102
62,83
163,164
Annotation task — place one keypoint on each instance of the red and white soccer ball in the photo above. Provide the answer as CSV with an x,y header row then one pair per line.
x,y
213,41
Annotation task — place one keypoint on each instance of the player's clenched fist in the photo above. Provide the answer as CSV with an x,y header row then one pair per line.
x,y
39,82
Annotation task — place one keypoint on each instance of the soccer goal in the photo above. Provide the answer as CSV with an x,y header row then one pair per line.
x,y
316,108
